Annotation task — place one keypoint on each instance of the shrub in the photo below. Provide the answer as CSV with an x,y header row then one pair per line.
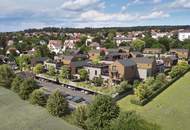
x,y
57,105
6,76
131,121
80,116
142,91
27,87
38,69
124,86
15,86
98,81
38,97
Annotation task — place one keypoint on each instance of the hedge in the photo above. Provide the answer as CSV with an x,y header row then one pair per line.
x,y
158,91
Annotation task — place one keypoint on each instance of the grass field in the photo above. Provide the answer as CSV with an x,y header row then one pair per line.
x,y
170,110
16,114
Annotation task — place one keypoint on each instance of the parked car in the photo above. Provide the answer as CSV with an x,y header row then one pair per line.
x,y
69,97
77,99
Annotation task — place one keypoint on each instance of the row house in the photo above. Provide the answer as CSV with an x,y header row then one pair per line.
x,y
183,35
146,66
97,70
123,70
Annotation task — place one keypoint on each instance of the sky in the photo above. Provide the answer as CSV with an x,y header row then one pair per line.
x,y
16,15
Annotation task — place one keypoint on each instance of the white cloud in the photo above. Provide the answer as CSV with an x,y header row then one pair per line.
x,y
155,15
76,5
180,4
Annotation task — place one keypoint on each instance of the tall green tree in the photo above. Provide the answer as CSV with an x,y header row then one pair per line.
x,y
6,76
102,110
83,74
65,72
138,44
57,105
15,85
80,116
38,97
27,87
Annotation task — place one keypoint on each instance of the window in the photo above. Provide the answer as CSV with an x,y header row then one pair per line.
x,y
95,72
113,68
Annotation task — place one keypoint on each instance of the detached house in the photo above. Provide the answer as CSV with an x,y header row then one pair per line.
x,y
123,70
121,38
146,66
55,46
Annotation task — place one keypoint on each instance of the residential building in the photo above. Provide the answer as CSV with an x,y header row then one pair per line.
x,y
55,46
157,35
121,39
181,53
146,66
97,70
184,35
38,60
123,70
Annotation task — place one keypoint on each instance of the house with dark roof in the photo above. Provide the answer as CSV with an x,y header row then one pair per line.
x,y
38,60
123,70
146,66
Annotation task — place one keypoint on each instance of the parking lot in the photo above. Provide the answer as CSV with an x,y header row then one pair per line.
x,y
74,96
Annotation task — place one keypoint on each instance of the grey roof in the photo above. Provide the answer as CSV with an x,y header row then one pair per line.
x,y
144,60
180,49
127,62
70,57
79,63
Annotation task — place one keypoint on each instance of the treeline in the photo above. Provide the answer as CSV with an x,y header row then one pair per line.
x,y
118,29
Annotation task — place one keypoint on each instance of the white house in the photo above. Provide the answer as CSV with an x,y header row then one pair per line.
x,y
184,35
121,38
156,35
55,46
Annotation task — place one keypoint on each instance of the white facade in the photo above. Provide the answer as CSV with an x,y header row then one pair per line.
x,y
160,35
183,35
144,73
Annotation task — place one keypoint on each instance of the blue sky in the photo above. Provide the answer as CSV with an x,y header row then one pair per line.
x,y
23,14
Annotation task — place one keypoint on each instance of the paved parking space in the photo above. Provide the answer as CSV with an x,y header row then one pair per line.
x,y
49,86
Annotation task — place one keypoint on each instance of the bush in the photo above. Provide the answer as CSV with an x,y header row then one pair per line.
x,y
38,69
124,87
57,105
27,87
80,116
6,76
131,121
38,97
98,81
15,86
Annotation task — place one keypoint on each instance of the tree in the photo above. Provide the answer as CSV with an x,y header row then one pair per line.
x,y
165,41
142,91
65,72
38,97
27,87
83,74
6,76
15,86
51,70
131,121
23,61
38,69
57,105
138,44
124,86
80,116
150,42
102,110
98,81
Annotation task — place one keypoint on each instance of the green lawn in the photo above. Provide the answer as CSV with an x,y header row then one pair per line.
x,y
16,114
170,110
